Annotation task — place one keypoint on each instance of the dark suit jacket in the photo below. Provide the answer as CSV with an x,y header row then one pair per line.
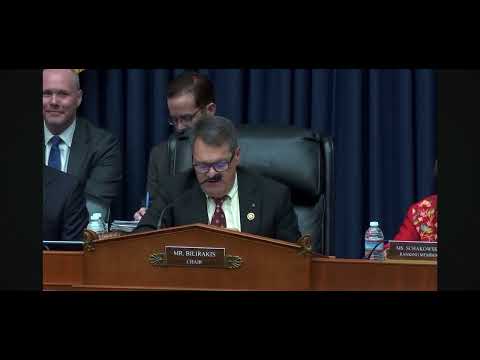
x,y
95,159
158,168
159,165
65,214
266,198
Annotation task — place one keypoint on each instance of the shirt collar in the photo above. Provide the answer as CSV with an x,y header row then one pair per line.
x,y
66,136
234,189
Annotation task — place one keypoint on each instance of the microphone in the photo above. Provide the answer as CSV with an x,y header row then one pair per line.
x,y
216,178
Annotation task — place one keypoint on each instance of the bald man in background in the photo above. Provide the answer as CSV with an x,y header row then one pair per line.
x,y
74,145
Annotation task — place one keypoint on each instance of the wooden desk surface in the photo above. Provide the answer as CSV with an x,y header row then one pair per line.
x,y
63,270
363,275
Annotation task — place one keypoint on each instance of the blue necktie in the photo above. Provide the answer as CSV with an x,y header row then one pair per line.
x,y
54,159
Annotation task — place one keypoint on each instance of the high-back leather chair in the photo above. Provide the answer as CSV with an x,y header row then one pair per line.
x,y
299,158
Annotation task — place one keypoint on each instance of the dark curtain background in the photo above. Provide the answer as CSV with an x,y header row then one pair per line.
x,y
383,123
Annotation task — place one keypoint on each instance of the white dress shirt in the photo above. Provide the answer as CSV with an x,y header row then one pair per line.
x,y
231,208
65,146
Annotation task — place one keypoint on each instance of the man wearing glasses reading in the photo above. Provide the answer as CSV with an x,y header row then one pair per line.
x,y
189,96
219,192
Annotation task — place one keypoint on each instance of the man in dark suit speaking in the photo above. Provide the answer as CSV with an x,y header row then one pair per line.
x,y
65,215
216,192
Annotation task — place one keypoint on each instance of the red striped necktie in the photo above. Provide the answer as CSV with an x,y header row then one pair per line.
x,y
218,218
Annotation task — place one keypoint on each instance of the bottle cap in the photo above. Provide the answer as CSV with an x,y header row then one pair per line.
x,y
373,223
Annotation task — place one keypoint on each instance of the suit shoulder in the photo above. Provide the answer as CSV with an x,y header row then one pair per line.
x,y
96,133
159,149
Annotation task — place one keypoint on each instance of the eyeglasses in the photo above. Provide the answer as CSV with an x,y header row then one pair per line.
x,y
219,166
185,118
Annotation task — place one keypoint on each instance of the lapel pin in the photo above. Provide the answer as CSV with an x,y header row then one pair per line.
x,y
250,216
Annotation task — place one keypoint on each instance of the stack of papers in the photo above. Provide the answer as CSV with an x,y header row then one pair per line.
x,y
125,226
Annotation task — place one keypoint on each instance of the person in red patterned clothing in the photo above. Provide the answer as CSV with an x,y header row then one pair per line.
x,y
421,221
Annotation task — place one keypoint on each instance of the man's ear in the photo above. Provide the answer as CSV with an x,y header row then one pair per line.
x,y
211,108
237,154
80,98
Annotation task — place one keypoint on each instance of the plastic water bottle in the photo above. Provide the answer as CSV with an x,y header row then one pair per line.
x,y
97,224
374,242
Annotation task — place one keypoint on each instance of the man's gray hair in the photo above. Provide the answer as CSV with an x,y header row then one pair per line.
x,y
76,80
216,131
